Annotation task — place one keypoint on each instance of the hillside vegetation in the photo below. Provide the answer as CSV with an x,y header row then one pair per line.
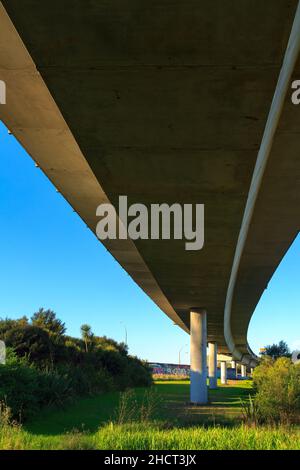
x,y
46,368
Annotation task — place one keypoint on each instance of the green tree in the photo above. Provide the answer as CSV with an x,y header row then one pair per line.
x,y
30,341
47,320
7,324
87,335
277,350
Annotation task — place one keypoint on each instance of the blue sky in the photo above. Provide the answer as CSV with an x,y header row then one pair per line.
x,y
50,259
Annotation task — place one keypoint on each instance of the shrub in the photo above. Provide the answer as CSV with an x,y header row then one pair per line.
x,y
138,373
45,367
25,389
87,380
277,385
18,389
112,361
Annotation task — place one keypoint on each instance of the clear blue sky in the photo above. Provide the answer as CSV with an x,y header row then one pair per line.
x,y
50,259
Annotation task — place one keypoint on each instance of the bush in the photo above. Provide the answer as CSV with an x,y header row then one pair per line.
x,y
45,367
18,390
277,385
112,361
87,380
138,373
25,389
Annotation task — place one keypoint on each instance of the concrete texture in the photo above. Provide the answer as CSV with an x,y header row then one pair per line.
x,y
223,372
212,365
243,371
164,103
198,372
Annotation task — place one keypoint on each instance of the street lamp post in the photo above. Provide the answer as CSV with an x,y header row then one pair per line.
x,y
125,332
179,354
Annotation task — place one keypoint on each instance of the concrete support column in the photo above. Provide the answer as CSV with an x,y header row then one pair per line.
x,y
243,371
212,365
223,372
198,330
252,370
233,366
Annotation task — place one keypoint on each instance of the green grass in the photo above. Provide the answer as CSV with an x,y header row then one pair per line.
x,y
89,413
151,437
86,414
91,423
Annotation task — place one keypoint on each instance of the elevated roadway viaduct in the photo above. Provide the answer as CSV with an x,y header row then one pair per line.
x,y
168,101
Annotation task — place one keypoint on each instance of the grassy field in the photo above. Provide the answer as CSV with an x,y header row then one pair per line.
x,y
99,423
174,408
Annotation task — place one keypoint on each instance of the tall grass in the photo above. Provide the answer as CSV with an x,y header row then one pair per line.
x,y
150,437
132,437
135,427
130,410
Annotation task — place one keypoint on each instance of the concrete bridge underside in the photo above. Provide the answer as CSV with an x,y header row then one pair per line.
x,y
163,102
